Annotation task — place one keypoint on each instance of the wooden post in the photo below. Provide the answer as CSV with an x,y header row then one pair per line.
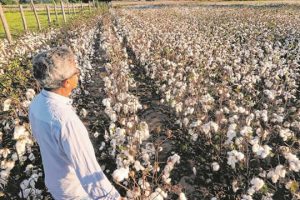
x,y
36,16
63,11
94,5
68,5
81,5
23,17
48,14
55,10
5,25
74,11
90,7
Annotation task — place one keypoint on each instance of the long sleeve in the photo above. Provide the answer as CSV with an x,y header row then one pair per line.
x,y
79,151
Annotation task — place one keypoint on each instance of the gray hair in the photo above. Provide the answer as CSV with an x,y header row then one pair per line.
x,y
51,67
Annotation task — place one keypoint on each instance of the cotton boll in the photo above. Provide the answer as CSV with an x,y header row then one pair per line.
x,y
26,103
6,104
194,137
96,134
24,184
112,128
20,132
271,174
233,157
255,148
138,166
280,171
185,121
231,133
285,134
206,128
182,196
32,183
246,131
4,152
215,166
268,83
271,94
7,165
159,194
21,147
28,168
106,102
156,168
113,117
265,151
264,115
117,107
240,156
4,174
144,184
31,157
238,141
231,160
130,124
214,126
144,131
146,157
83,112
294,162
178,107
194,171
134,193
14,157
102,146
30,93
249,119
195,124
120,174
172,160
246,197
25,193
235,186
241,110
257,183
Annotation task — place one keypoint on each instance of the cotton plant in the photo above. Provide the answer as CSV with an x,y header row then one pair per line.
x,y
201,73
23,147
128,135
27,44
256,184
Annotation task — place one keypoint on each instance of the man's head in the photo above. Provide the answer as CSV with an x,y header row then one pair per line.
x,y
56,69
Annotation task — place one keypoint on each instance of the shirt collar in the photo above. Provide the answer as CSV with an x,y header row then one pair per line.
x,y
57,97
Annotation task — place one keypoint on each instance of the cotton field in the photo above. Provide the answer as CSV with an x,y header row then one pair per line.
x,y
181,102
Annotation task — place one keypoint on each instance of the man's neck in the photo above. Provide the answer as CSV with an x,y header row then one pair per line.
x,y
62,92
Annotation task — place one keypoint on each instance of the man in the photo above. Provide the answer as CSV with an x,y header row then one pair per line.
x,y
70,166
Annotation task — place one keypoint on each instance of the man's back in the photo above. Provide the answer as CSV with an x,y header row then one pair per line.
x,y
48,112
70,165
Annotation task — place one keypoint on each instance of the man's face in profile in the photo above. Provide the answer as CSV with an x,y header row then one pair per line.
x,y
74,78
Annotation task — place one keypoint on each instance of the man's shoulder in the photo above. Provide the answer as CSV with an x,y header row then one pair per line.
x,y
62,114
49,110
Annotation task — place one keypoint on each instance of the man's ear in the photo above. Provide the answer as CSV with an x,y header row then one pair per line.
x,y
65,83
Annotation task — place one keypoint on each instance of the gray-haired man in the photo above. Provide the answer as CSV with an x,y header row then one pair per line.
x,y
70,165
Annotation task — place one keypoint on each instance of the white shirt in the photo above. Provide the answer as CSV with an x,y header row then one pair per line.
x,y
70,166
